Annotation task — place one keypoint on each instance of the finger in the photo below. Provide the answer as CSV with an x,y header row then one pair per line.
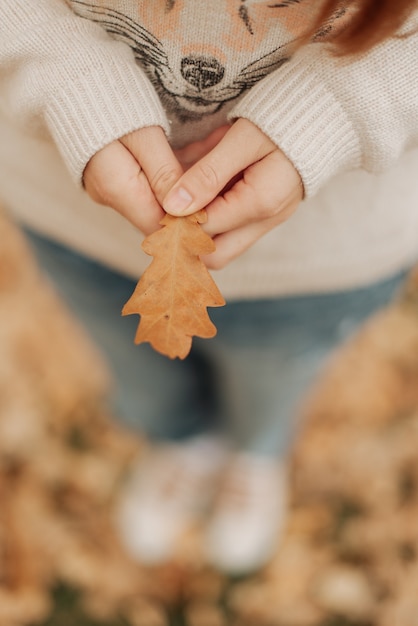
x,y
198,149
151,149
114,178
264,190
241,146
233,243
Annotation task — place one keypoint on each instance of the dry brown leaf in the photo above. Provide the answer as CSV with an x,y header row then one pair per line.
x,y
365,424
173,293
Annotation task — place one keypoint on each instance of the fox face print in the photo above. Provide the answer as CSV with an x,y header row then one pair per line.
x,y
201,54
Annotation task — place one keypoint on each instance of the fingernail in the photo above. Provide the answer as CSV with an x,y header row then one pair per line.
x,y
177,201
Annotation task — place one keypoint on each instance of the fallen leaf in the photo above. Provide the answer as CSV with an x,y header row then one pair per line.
x,y
172,295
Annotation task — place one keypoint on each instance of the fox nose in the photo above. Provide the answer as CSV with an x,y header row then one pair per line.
x,y
202,72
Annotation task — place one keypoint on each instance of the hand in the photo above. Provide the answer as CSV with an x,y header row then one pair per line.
x,y
247,185
193,152
133,175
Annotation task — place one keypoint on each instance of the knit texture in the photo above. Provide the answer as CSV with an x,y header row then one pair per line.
x,y
76,75
67,77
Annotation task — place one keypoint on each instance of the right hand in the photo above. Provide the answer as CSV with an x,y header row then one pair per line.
x,y
248,187
132,175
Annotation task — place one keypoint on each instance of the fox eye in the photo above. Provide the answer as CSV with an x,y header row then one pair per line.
x,y
245,16
283,5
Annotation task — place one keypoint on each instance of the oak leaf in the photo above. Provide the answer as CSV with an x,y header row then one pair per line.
x,y
172,295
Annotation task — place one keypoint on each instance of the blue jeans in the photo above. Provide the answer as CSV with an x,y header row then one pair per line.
x,y
246,383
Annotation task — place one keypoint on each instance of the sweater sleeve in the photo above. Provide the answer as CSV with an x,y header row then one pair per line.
x,y
65,76
331,114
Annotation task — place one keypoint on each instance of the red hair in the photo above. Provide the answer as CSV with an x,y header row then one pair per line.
x,y
372,22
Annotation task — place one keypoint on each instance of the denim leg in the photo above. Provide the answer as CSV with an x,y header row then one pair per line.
x,y
268,353
163,398
249,379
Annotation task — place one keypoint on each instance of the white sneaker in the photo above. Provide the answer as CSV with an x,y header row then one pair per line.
x,y
165,494
249,518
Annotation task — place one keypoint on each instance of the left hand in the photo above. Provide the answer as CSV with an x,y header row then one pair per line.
x,y
247,185
191,153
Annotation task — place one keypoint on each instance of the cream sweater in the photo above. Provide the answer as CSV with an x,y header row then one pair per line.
x,y
77,74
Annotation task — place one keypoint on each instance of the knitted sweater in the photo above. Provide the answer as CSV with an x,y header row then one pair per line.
x,y
78,74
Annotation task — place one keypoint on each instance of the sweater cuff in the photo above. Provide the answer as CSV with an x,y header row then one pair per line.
x,y
296,109
99,107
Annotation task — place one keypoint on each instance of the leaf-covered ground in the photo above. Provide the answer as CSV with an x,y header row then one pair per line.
x,y
349,556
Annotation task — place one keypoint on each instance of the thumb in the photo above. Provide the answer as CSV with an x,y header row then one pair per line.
x,y
241,146
150,148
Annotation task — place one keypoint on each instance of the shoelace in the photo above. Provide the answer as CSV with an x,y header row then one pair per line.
x,y
243,489
176,482
238,492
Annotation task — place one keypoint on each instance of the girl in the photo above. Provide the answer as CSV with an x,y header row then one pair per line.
x,y
295,124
